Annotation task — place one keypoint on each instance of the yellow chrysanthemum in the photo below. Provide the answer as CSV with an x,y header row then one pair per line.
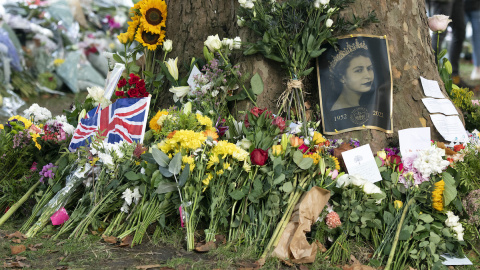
x,y
220,172
154,15
1,126
204,120
24,120
246,167
318,138
337,164
206,181
153,122
183,139
437,195
148,39
190,160
226,166
316,157
34,139
212,161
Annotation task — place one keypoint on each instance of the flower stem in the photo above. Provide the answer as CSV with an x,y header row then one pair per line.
x,y
18,204
397,234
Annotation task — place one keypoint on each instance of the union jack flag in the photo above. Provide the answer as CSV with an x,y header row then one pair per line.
x,y
125,119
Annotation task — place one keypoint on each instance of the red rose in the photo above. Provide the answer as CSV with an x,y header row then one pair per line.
x,y
140,84
141,90
133,92
400,168
119,93
122,83
133,79
458,147
395,159
280,123
259,157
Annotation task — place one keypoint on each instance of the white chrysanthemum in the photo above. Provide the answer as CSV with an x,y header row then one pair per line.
x,y
37,113
127,195
430,161
136,195
107,160
124,208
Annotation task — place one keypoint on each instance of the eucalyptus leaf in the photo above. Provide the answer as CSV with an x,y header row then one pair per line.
x,y
165,172
132,176
184,175
165,187
426,218
279,179
257,84
175,164
160,157
237,195
287,187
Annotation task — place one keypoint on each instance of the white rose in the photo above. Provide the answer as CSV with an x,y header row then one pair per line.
x,y
357,181
213,43
324,2
242,2
344,181
329,23
249,5
227,43
316,5
95,93
370,188
237,43
167,45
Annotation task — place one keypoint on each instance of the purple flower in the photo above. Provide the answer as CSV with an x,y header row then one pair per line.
x,y
47,171
409,168
221,127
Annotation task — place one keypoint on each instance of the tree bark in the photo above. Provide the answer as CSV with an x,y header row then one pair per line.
x,y
404,22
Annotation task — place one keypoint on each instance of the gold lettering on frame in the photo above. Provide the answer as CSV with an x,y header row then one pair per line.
x,y
341,117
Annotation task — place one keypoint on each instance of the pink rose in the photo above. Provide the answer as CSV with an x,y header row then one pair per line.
x,y
438,23
280,123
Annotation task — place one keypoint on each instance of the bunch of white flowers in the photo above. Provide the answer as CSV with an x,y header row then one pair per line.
x,y
453,222
232,44
247,3
97,94
130,197
430,161
355,180
62,119
37,113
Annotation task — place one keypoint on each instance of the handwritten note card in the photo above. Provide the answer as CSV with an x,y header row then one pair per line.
x,y
360,161
413,140
431,88
450,127
442,105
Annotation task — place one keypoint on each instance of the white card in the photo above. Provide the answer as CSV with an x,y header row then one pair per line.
x,y
413,140
442,105
449,260
431,88
450,127
190,81
360,161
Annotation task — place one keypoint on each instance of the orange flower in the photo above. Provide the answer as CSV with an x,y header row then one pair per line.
x,y
170,135
296,141
210,133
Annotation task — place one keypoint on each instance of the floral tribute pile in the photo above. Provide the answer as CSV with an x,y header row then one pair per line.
x,y
203,170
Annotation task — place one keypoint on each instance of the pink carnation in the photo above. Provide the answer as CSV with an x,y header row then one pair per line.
x,y
333,220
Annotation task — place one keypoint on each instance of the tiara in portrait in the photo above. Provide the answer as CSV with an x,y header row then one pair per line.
x,y
346,51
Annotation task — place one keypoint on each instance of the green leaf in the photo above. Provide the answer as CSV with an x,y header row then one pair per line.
x,y
160,157
239,96
419,228
251,50
184,175
297,157
388,217
274,58
148,157
434,238
308,71
287,187
426,218
118,59
317,53
166,187
450,192
257,84
165,172
207,54
132,176
175,164
306,163
279,179
310,43
237,195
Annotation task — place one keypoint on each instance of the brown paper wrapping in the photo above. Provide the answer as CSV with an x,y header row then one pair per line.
x,y
293,244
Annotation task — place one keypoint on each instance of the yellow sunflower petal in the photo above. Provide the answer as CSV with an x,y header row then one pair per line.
x,y
154,15
148,39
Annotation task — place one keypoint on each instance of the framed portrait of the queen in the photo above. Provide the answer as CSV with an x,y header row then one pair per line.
x,y
355,85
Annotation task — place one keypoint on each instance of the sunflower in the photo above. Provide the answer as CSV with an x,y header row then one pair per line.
x,y
148,39
332,163
437,195
154,15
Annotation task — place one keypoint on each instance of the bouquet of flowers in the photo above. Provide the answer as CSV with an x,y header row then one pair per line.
x,y
133,88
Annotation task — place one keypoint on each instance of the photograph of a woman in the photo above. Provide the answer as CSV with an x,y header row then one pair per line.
x,y
355,85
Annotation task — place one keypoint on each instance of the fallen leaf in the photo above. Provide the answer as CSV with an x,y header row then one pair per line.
x,y
17,249
220,239
18,241
15,264
60,243
61,258
109,239
320,246
17,234
38,245
20,258
303,267
126,241
149,266
94,232
207,247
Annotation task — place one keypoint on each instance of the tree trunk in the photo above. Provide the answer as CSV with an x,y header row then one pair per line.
x,y
404,22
